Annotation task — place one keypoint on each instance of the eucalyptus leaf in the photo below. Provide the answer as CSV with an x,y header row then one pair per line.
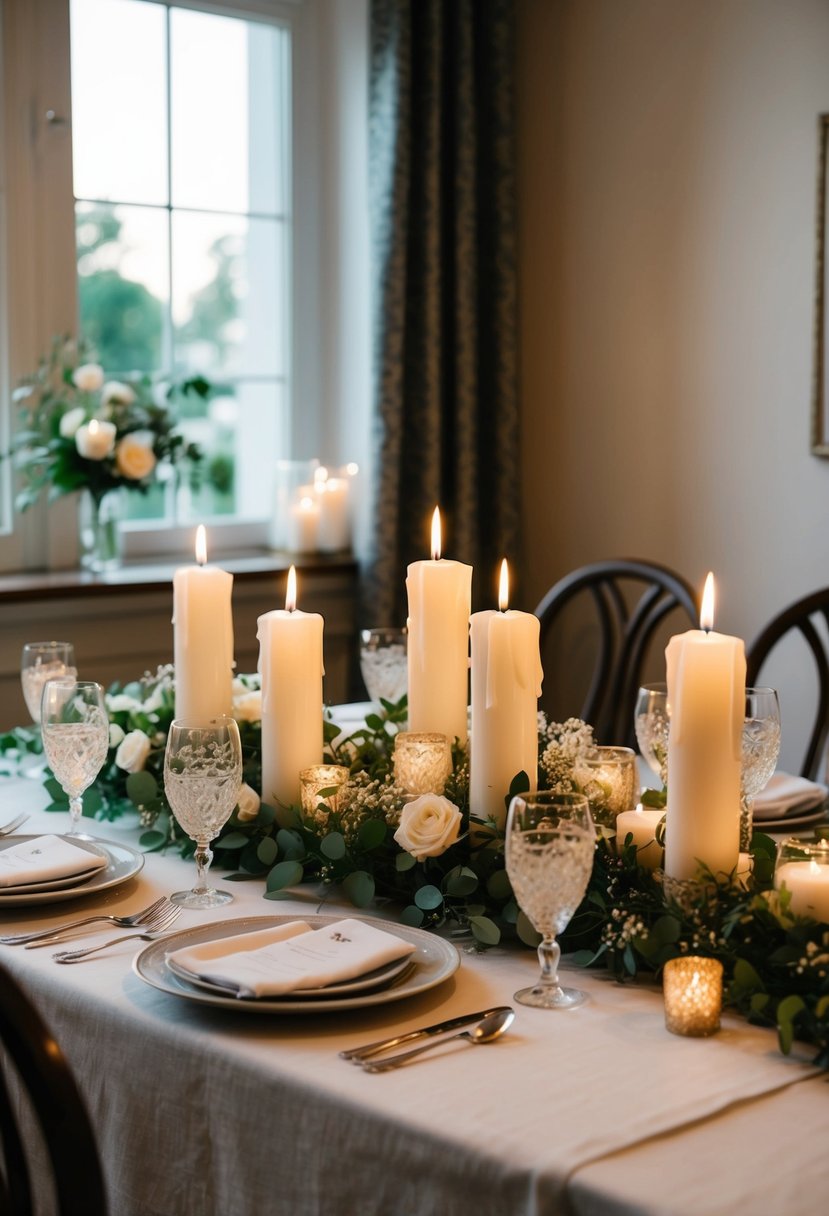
x,y
332,846
428,898
250,860
290,845
142,787
526,931
284,874
267,850
404,862
460,881
359,888
152,841
372,834
412,916
233,840
485,930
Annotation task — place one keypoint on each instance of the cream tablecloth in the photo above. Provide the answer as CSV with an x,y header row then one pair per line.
x,y
201,1112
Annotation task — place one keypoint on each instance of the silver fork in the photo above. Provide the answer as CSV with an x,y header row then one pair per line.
x,y
75,956
15,823
56,932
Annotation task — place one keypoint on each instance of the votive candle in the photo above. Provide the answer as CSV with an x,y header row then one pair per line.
x,y
422,762
641,823
692,988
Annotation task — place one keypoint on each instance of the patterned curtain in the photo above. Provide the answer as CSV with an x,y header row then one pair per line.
x,y
443,246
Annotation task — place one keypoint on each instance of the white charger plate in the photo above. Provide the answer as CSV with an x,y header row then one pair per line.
x,y
123,863
433,961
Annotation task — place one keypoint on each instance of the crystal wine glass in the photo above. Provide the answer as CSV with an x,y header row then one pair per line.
x,y
761,747
652,721
42,661
383,663
75,725
550,840
202,779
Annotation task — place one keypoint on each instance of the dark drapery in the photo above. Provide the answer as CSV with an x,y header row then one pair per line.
x,y
443,245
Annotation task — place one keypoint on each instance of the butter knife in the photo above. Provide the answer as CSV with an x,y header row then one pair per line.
x,y
358,1054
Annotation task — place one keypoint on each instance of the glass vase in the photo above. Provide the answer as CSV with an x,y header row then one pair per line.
x,y
99,531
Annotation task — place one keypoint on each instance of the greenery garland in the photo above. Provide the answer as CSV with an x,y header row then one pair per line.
x,y
776,964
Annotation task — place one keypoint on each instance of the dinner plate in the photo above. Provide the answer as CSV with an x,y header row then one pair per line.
x,y
433,961
363,983
805,820
123,863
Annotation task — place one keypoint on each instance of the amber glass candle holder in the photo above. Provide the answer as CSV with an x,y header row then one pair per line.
x,y
422,762
692,988
319,778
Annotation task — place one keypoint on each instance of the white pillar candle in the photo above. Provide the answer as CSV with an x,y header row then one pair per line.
x,y
202,637
302,530
440,600
641,823
335,516
706,693
290,664
95,440
808,882
506,685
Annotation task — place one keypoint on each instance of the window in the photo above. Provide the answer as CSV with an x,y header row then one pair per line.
x,y
203,211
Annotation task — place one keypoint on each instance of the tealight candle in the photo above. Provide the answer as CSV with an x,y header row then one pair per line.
x,y
202,637
422,762
610,780
641,823
807,879
95,440
692,988
318,778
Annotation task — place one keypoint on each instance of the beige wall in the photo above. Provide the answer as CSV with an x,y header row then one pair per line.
x,y
667,169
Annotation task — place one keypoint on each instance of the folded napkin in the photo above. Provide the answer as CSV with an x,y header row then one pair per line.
x,y
291,957
43,858
787,795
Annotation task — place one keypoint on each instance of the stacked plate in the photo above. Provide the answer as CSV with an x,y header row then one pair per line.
x,y
431,962
48,868
789,803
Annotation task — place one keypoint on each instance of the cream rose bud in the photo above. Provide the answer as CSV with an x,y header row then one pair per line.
x,y
88,377
70,422
248,804
134,458
116,393
248,707
133,751
428,826
115,734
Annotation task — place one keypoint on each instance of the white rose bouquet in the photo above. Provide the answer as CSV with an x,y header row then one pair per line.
x,y
80,431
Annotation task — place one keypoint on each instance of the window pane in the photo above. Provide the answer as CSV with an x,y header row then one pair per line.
x,y
228,294
122,284
119,100
228,87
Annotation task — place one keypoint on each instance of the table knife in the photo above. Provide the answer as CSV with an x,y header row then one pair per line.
x,y
356,1054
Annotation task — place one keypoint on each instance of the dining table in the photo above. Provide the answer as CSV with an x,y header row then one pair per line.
x,y
214,1110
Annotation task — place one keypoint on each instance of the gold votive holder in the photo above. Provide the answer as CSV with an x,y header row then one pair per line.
x,y
422,762
692,988
318,779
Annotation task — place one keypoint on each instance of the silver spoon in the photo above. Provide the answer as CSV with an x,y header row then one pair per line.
x,y
485,1031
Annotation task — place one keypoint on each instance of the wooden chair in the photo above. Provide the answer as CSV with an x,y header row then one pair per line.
x,y
810,618
30,1051
628,600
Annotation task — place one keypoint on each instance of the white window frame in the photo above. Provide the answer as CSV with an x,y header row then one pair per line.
x,y
329,340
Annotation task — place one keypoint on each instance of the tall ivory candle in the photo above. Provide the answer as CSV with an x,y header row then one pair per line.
x,y
290,664
202,637
506,685
706,693
440,600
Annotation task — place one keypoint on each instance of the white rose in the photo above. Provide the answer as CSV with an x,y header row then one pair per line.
x,y
122,702
428,826
96,439
115,734
133,751
248,804
88,377
134,458
248,708
70,421
116,393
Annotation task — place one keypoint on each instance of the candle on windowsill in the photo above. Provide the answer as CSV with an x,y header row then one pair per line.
x,y
692,989
202,637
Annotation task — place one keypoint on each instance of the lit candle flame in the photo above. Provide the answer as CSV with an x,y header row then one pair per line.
x,y
305,504
706,616
94,426
503,587
436,534
352,469
290,594
320,476
201,545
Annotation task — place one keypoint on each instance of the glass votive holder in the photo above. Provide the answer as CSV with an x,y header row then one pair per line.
x,y
609,779
422,762
384,663
692,988
802,869
322,779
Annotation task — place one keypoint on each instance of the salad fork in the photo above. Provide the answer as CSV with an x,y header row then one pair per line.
x,y
47,936
75,956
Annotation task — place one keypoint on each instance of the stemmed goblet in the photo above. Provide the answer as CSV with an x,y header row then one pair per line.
x,y
39,662
652,724
202,779
383,663
550,840
75,725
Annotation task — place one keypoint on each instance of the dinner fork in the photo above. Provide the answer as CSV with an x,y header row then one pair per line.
x,y
45,936
75,956
15,823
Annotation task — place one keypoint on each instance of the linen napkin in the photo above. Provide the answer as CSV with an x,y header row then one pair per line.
x,y
291,957
43,858
787,795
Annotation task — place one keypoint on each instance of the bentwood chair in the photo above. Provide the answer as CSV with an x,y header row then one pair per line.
x,y
31,1055
805,620
614,614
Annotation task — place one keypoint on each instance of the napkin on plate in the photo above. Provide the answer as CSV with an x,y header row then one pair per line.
x,y
43,858
787,795
291,957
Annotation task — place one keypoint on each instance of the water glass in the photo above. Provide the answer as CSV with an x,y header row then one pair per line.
x,y
384,664
550,840
42,661
760,749
202,779
75,725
